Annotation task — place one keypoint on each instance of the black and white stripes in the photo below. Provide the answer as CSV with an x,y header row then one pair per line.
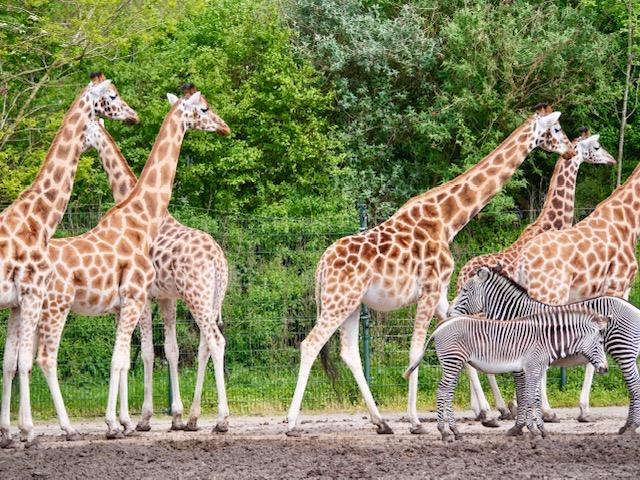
x,y
498,297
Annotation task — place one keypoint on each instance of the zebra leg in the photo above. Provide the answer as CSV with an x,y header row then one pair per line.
x,y
584,394
444,398
520,416
505,413
350,354
548,414
631,376
480,399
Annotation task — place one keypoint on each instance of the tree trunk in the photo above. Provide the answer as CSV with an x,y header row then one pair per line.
x,y
627,84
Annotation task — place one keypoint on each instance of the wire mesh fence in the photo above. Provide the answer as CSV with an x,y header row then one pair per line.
x,y
268,310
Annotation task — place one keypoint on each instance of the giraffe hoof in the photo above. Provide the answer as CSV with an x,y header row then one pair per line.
x,y
293,433
114,434
192,426
490,423
222,427
513,408
34,443
584,419
179,426
550,418
506,414
6,442
384,429
419,430
481,417
143,427
72,437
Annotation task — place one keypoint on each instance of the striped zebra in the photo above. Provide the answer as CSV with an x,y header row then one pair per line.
x,y
495,295
525,346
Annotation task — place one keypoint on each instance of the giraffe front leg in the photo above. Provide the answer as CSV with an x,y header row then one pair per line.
x,y
146,343
584,394
216,344
350,354
128,319
426,307
548,414
9,368
505,413
30,308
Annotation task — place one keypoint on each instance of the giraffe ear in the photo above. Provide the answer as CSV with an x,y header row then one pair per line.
x,y
548,120
594,138
172,98
193,99
98,90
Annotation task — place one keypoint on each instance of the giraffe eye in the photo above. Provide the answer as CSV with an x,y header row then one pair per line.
x,y
113,97
205,109
556,130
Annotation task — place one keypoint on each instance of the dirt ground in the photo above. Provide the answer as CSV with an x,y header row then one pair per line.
x,y
332,446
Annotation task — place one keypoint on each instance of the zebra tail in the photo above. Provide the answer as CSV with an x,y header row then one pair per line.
x,y
416,364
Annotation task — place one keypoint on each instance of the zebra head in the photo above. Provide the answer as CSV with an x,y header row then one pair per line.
x,y
592,346
470,300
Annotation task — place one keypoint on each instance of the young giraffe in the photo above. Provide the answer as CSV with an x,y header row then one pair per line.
x,y
556,214
189,265
110,268
406,260
26,227
594,257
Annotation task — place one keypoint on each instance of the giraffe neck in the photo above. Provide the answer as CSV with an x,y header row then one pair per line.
x,y
622,207
44,202
460,199
559,203
121,177
148,200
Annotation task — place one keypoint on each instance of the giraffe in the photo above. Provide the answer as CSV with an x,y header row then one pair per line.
x,y
556,214
190,265
26,227
110,268
406,260
594,257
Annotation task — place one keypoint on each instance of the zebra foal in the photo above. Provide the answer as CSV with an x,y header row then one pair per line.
x,y
525,346
493,294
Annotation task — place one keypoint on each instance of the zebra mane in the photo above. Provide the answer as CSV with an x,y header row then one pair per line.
x,y
511,281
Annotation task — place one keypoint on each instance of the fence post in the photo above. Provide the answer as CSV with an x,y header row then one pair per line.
x,y
364,310
169,390
563,377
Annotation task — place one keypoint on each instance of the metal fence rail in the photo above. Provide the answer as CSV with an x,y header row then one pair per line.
x,y
268,310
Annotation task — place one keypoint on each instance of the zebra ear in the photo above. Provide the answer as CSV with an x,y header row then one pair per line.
x,y
483,273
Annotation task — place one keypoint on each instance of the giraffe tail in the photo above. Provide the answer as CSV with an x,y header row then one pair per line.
x,y
325,352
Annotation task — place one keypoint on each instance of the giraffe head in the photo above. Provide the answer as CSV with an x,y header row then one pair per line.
x,y
589,150
548,133
107,103
195,113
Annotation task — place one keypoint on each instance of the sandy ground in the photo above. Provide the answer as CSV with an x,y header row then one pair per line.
x,y
332,446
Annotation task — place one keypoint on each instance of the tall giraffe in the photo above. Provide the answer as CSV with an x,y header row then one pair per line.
x,y
556,214
594,257
406,260
26,227
110,268
189,265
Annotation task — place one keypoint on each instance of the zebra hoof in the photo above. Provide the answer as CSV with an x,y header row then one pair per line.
x,y
550,417
384,429
113,435
505,414
35,444
629,429
457,436
293,433
584,419
419,430
515,431
490,423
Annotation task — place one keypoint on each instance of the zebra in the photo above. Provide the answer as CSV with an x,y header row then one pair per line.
x,y
525,346
492,293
